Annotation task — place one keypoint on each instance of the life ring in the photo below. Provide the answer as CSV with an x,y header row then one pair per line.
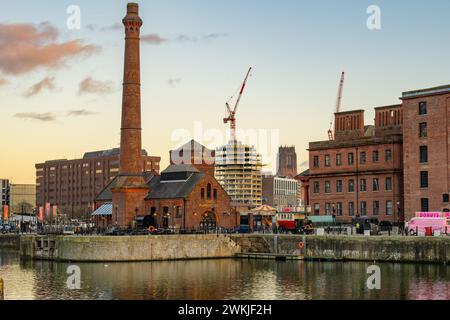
x,y
151,229
300,245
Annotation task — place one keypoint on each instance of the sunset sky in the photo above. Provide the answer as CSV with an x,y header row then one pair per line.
x,y
60,89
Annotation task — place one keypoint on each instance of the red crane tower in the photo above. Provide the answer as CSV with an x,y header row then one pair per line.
x,y
338,105
232,112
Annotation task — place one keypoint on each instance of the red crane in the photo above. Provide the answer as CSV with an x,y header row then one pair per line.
x,y
232,112
338,105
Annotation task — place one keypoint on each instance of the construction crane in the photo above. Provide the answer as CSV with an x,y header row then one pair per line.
x,y
338,105
232,112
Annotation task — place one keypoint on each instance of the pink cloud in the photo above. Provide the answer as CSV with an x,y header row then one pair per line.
x,y
153,39
46,83
26,47
90,85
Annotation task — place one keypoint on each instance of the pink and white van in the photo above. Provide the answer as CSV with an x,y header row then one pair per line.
x,y
418,225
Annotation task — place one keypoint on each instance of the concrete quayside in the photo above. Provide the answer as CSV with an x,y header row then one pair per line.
x,y
213,246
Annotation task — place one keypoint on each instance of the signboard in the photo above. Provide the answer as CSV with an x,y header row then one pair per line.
x,y
433,215
55,211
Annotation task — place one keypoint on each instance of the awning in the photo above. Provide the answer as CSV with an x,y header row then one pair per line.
x,y
265,210
104,210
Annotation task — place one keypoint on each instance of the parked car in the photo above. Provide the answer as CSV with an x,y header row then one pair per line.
x,y
243,228
385,226
114,231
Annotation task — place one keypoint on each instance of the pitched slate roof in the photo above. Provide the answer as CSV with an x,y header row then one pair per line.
x,y
104,210
176,182
173,189
106,194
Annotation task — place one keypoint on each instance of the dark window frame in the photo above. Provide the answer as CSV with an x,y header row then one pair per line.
x,y
423,108
424,179
423,130
423,154
388,155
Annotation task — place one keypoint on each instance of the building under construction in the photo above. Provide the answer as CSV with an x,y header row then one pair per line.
x,y
238,166
238,170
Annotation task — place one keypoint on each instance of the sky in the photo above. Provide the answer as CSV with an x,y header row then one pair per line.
x,y
60,87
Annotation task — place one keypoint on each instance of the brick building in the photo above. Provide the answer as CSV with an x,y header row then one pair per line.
x,y
426,133
361,171
287,162
195,154
182,197
72,185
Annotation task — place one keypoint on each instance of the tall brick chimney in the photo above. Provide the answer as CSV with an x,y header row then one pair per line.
x,y
131,189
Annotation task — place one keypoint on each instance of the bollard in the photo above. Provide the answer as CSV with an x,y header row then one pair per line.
x,y
2,291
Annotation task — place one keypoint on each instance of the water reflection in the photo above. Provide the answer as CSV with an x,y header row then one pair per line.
x,y
221,279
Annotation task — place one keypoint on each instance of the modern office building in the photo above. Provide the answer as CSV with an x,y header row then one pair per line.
x,y
280,192
22,199
72,185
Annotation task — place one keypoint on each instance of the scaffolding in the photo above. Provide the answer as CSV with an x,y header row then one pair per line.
x,y
238,170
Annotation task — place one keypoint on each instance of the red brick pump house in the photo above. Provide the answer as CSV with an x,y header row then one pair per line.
x,y
182,197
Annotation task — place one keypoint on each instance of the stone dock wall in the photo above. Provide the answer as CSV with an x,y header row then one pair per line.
x,y
121,249
355,248
179,247
10,241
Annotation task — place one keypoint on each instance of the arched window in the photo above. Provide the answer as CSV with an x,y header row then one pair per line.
x,y
208,191
203,193
215,194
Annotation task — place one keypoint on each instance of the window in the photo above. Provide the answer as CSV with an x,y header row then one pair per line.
x,y
388,155
388,185
422,108
179,212
328,209
208,191
424,179
338,159
339,186
327,161
215,194
376,184
363,208
375,156
316,187
423,130
376,208
362,158
389,208
351,209
423,154
316,209
203,193
351,158
424,204
327,187
363,186
316,161
351,185
340,211
446,198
